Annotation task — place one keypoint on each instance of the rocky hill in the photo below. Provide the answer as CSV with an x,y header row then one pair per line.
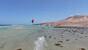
x,y
77,20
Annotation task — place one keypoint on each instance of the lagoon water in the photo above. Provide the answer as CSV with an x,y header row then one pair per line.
x,y
42,38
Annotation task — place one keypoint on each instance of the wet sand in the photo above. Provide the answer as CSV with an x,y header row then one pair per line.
x,y
22,38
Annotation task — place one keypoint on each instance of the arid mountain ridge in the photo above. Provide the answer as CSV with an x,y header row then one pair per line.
x,y
77,20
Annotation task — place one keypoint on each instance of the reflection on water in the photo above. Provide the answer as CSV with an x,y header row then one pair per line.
x,y
40,43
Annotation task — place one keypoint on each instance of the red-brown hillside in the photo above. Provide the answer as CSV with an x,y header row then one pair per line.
x,y
78,20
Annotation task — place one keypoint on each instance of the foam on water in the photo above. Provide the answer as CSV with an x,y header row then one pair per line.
x,y
40,43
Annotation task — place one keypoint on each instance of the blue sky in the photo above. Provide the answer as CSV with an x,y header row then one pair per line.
x,y
22,11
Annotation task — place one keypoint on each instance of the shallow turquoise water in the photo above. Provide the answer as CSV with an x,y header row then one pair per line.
x,y
15,37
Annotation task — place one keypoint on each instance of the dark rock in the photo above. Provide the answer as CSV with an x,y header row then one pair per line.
x,y
81,33
54,37
86,36
61,46
19,49
67,39
50,36
57,44
45,36
60,41
82,49
81,37
76,39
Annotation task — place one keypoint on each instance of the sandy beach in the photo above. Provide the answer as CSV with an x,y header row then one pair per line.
x,y
24,37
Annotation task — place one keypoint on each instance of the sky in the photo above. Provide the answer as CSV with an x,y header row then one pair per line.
x,y
22,11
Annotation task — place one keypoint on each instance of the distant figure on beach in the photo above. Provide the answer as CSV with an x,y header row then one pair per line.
x,y
32,20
